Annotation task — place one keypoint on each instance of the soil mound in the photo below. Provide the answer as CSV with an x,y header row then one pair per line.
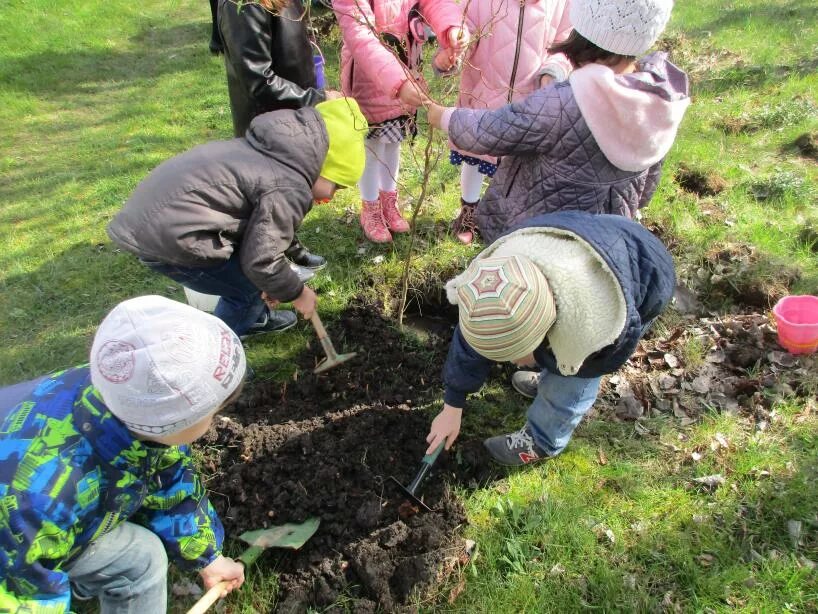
x,y
325,446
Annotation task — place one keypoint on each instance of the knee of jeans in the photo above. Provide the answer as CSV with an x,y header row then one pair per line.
x,y
149,561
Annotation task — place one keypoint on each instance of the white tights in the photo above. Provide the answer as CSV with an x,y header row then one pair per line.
x,y
381,171
471,183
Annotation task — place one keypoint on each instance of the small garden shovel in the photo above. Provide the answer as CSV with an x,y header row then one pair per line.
x,y
426,464
284,536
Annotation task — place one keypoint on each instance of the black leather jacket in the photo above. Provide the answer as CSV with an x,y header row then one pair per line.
x,y
268,59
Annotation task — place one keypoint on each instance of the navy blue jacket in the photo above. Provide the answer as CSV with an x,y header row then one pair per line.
x,y
642,266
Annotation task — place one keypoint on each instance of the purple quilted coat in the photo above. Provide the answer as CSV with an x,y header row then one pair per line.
x,y
551,160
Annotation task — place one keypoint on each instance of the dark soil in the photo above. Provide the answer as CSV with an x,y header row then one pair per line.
x,y
699,182
325,446
807,145
738,274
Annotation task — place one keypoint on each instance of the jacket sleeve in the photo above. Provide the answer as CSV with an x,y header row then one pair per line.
x,y
26,585
529,126
269,232
651,183
249,41
558,64
357,22
464,372
442,15
180,513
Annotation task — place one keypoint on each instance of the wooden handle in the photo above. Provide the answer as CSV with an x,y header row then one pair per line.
x,y
319,326
209,598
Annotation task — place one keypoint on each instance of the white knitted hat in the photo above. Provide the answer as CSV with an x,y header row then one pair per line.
x,y
162,366
626,27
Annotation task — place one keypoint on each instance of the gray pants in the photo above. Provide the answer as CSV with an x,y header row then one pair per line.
x,y
127,569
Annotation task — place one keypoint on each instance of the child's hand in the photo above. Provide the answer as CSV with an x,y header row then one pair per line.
x,y
306,303
271,302
333,94
446,425
223,568
435,114
444,60
411,94
459,39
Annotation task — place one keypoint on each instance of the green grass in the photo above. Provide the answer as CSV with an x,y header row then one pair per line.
x,y
94,94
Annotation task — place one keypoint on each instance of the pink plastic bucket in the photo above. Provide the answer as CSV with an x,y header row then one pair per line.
x,y
797,319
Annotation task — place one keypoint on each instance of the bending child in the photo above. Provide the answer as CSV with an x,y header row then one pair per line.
x,y
383,79
569,292
219,218
593,143
96,477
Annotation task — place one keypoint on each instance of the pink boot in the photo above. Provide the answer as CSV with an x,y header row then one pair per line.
x,y
373,223
391,213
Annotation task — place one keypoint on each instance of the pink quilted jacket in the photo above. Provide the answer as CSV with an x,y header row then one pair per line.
x,y
510,49
370,72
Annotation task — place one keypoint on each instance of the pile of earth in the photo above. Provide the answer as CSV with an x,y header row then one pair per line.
x,y
324,446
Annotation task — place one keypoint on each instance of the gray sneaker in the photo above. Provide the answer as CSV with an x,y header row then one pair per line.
x,y
515,449
525,382
274,321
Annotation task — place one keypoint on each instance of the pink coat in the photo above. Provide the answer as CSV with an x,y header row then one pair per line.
x,y
370,72
510,41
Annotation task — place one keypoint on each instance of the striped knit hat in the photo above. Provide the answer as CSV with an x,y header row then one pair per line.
x,y
506,307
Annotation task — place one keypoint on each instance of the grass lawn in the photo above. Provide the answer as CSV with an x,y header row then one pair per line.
x,y
93,95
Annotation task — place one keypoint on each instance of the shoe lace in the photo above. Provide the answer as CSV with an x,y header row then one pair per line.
x,y
374,218
467,221
521,439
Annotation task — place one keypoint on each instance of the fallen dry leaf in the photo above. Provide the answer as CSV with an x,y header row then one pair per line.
x,y
711,481
457,590
601,458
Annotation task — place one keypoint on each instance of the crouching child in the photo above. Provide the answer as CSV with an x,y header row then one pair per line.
x,y
97,485
219,218
569,292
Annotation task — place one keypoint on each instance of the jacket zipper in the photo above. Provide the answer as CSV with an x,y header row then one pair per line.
x,y
516,51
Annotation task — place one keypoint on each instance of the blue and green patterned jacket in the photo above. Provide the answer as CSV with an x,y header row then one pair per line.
x,y
70,472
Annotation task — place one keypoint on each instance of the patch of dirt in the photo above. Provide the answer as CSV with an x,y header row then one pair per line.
x,y
701,183
736,273
807,145
325,446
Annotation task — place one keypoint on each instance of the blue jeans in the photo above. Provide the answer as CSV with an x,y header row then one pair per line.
x,y
240,305
126,568
558,408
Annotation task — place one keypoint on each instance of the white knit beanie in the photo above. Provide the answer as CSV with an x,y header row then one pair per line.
x,y
162,366
626,27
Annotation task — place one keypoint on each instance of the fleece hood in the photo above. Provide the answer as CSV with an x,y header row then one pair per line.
x,y
296,140
633,117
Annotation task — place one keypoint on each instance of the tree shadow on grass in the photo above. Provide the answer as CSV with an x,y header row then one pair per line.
x,y
154,51
48,316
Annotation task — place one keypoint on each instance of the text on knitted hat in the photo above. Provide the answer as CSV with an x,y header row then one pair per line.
x,y
161,366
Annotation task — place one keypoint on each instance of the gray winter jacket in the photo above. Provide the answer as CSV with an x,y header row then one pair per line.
x,y
551,158
249,193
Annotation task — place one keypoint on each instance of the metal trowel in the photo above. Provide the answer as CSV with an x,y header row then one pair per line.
x,y
426,464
